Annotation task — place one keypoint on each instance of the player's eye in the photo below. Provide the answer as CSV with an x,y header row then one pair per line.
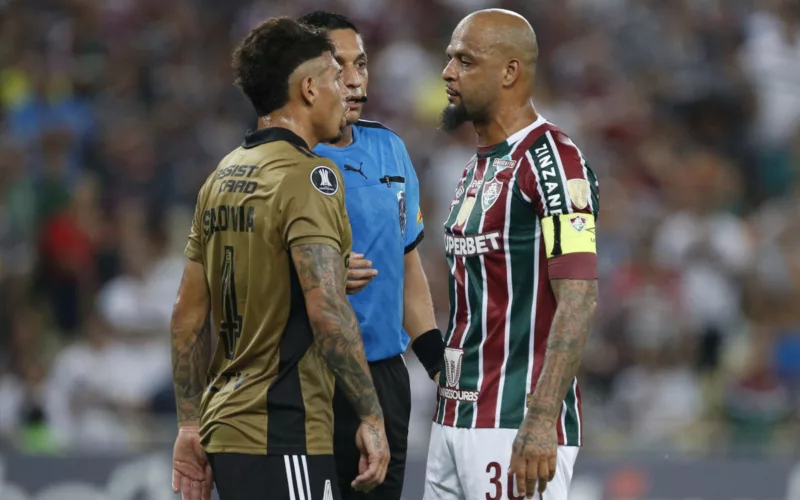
x,y
361,64
465,63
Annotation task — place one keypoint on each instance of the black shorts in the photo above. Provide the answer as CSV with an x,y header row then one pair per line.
x,y
390,377
274,477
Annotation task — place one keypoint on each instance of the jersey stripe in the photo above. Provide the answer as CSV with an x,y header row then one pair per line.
x,y
475,328
579,403
501,393
561,172
462,320
441,409
571,415
494,348
532,164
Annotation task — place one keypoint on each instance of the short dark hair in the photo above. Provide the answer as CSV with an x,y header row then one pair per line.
x,y
328,21
267,57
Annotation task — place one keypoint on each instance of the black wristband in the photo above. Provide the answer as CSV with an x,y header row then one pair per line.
x,y
429,348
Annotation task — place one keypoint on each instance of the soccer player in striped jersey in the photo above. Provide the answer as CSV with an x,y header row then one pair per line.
x,y
520,244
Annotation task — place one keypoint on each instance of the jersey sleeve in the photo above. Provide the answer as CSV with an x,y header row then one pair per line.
x,y
311,201
414,223
564,192
194,247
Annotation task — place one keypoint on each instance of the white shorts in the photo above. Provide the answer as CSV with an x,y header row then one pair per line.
x,y
472,464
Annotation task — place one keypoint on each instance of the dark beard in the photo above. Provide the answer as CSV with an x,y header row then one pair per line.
x,y
453,116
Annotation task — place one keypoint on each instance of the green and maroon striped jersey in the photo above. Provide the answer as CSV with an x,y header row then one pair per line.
x,y
523,213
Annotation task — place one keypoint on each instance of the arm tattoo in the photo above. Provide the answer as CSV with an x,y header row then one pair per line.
x,y
191,355
320,269
568,333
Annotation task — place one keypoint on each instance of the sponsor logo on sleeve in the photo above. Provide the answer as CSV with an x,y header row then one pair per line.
x,y
401,204
324,180
578,190
419,215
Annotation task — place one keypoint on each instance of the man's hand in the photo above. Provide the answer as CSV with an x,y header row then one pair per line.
x,y
533,456
374,448
191,472
359,273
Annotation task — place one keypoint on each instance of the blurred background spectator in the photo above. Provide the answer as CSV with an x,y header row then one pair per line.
x,y
112,114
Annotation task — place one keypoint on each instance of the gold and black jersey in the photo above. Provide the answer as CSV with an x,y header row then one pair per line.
x,y
269,390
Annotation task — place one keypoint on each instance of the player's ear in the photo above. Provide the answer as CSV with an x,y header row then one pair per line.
x,y
309,90
512,72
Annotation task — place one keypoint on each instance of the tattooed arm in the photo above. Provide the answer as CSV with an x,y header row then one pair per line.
x,y
320,269
568,333
321,272
191,343
533,455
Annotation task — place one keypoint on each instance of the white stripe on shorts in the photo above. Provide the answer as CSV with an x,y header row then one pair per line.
x,y
289,480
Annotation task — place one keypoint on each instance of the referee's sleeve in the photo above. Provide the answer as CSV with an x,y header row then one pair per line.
x,y
312,205
414,232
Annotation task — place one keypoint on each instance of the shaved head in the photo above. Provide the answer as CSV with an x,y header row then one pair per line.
x,y
492,61
505,33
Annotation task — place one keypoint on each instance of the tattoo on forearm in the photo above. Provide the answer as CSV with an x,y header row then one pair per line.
x,y
320,270
191,355
568,333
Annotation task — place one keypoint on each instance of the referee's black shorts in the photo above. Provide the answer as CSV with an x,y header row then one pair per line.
x,y
274,477
390,377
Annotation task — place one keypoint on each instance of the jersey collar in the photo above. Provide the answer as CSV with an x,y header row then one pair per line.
x,y
255,138
484,151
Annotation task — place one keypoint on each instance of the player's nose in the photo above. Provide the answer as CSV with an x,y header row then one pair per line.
x,y
352,78
449,74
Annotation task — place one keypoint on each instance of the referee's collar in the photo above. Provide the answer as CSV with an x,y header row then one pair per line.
x,y
255,138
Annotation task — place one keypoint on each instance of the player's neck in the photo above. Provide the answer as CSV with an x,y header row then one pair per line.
x,y
345,140
504,122
288,121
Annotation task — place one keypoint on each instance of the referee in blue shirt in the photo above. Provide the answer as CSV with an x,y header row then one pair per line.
x,y
389,291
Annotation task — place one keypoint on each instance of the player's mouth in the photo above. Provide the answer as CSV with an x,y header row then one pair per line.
x,y
451,94
355,102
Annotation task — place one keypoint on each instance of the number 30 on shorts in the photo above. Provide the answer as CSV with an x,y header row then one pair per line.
x,y
497,478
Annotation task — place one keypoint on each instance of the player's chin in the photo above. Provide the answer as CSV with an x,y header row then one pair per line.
x,y
353,115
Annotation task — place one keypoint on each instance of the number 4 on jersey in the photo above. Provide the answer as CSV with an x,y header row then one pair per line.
x,y
328,493
231,326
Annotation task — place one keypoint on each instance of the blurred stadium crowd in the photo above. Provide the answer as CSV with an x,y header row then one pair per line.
x,y
113,112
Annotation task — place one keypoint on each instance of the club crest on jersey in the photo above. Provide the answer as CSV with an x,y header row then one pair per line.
x,y
578,222
401,204
491,191
324,180
452,365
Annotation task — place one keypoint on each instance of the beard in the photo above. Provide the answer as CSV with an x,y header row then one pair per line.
x,y
453,116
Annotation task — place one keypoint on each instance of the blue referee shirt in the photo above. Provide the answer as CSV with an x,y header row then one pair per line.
x,y
382,200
